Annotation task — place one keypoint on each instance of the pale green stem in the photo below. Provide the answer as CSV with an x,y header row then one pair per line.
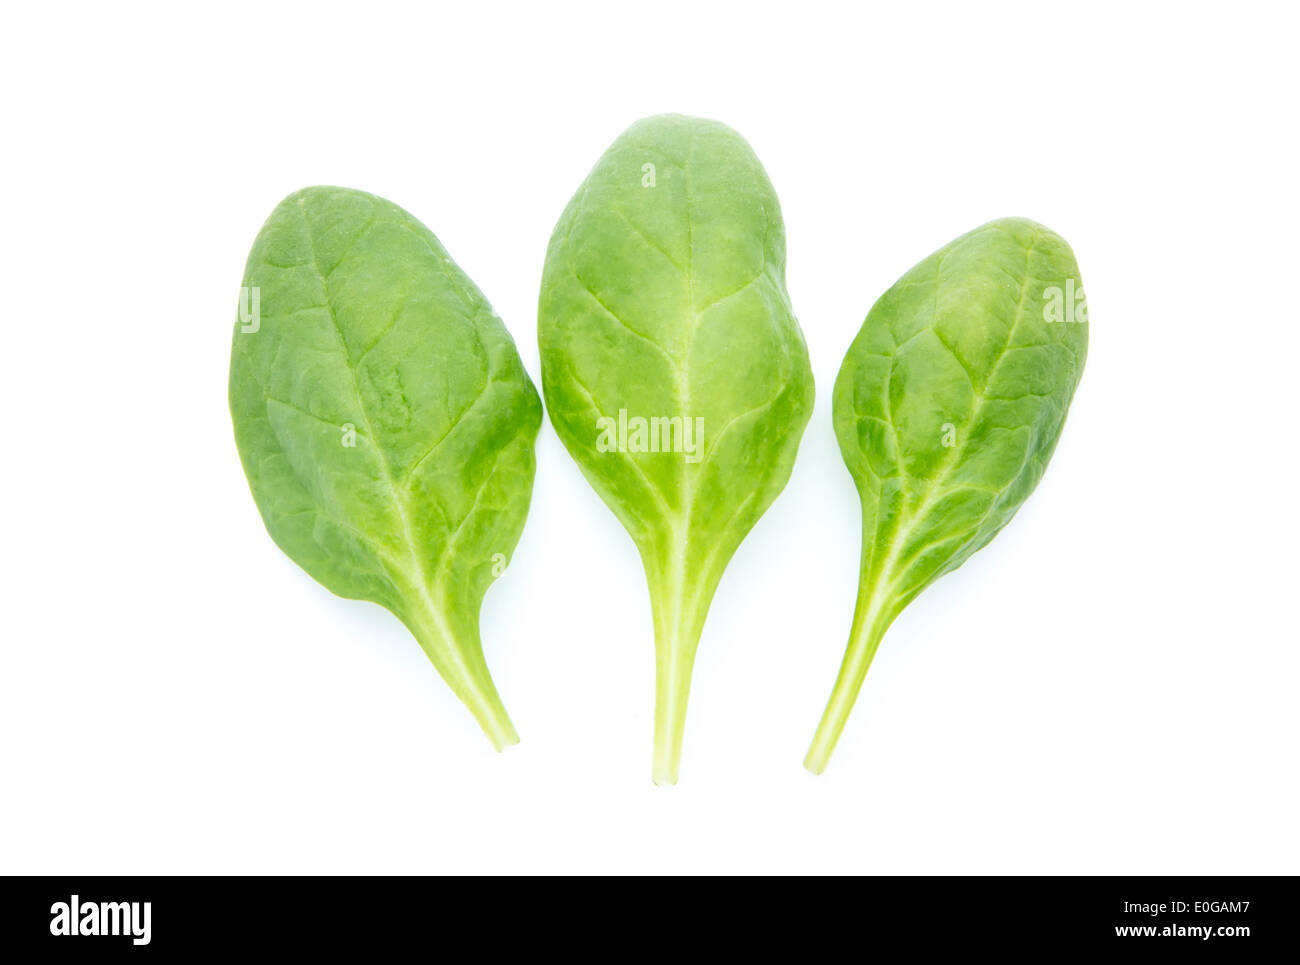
x,y
460,663
678,621
672,689
676,641
869,625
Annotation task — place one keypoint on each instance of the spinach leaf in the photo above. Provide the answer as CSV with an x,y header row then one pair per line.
x,y
385,422
947,408
673,367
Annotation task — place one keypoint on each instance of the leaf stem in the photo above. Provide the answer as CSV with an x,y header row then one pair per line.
x,y
458,658
485,704
673,665
679,615
870,621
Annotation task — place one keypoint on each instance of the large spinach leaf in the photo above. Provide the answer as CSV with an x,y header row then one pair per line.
x,y
673,367
384,421
947,408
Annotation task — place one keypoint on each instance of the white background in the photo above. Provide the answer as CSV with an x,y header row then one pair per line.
x,y
1109,687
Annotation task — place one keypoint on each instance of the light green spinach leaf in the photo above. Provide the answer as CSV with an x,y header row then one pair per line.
x,y
947,408
673,367
385,422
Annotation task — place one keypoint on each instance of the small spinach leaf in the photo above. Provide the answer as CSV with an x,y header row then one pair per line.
x,y
385,422
673,367
947,408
